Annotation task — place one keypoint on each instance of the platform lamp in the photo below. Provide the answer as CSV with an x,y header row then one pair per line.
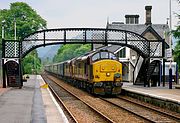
x,y
3,22
170,43
15,36
2,71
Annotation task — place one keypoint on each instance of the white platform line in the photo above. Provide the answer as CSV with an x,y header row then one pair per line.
x,y
55,102
58,107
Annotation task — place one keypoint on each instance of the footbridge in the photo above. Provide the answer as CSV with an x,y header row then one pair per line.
x,y
15,50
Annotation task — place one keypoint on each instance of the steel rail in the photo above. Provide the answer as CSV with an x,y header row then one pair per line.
x,y
167,114
59,99
127,110
130,111
91,107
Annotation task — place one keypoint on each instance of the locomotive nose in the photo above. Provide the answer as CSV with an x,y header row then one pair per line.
x,y
108,68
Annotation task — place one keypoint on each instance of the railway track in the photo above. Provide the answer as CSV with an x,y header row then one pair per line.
x,y
71,118
169,114
116,109
147,113
113,113
89,113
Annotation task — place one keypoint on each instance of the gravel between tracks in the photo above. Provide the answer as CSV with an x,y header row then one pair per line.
x,y
114,113
80,111
140,110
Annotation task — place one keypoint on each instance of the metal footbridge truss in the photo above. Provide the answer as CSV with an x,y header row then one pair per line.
x,y
18,49
91,35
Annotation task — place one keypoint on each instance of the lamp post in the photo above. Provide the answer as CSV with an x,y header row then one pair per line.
x,y
14,29
15,36
2,62
3,28
3,67
170,43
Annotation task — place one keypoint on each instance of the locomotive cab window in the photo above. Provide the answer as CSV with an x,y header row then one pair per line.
x,y
95,57
104,55
112,56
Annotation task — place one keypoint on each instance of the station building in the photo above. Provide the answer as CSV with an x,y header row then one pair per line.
x,y
131,60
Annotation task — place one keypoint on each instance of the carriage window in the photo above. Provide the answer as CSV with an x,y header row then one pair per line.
x,y
104,55
112,56
95,57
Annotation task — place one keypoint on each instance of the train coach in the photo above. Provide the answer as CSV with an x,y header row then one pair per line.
x,y
98,72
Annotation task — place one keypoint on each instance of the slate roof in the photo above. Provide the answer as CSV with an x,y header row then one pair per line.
x,y
140,28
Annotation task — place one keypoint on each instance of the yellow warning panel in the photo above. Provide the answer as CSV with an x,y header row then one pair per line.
x,y
44,86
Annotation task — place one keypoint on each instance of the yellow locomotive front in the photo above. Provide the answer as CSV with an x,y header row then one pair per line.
x,y
106,74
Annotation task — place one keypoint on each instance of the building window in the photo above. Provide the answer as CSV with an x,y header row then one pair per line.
x,y
122,53
132,21
136,21
127,20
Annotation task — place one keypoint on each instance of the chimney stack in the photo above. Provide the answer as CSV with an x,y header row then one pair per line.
x,y
148,15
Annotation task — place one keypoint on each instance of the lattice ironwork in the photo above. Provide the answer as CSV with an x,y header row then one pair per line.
x,y
11,49
19,49
89,35
84,35
156,48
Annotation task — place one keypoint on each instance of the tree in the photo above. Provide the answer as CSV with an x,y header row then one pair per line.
x,y
176,34
31,63
176,53
27,21
70,51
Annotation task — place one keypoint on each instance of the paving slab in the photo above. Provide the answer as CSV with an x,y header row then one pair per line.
x,y
158,92
53,112
31,104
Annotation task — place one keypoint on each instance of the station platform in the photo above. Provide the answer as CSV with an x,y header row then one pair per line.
x,y
31,104
160,96
157,92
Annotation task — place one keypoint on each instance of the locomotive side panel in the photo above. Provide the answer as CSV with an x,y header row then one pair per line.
x,y
67,70
61,69
55,68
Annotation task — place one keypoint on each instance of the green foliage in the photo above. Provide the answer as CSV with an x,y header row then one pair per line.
x,y
176,53
27,21
176,34
31,63
47,60
70,51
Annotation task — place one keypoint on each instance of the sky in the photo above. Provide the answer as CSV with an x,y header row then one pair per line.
x,y
94,13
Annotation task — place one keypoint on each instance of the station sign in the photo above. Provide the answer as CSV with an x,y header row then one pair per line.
x,y
169,53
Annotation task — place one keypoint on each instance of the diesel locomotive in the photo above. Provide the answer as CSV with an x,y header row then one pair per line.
x,y
98,72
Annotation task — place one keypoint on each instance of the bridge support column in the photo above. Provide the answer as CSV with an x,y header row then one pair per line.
x,y
3,66
92,47
12,73
4,74
163,73
163,55
11,63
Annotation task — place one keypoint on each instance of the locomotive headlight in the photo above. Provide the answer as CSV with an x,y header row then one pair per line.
x,y
107,74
